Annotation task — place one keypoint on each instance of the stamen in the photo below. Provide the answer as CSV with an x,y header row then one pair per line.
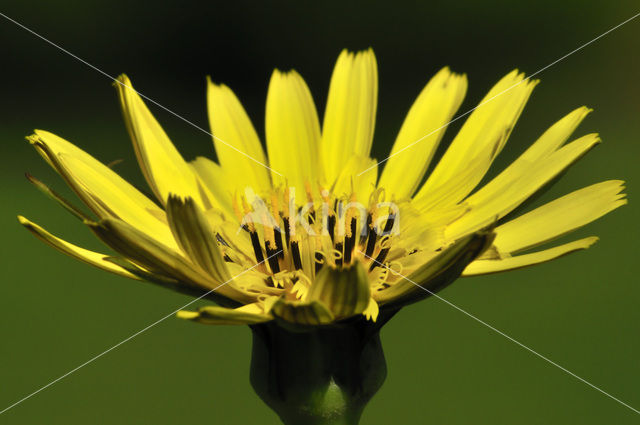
x,y
350,240
270,245
255,241
382,255
389,224
371,242
295,254
278,237
331,225
272,257
287,233
365,230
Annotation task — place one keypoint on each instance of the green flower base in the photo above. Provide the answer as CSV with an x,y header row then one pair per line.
x,y
320,375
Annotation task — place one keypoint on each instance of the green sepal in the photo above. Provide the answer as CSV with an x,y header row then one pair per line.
x,y
50,193
323,376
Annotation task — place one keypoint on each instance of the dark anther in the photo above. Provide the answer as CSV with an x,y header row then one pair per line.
x,y
277,233
389,224
287,235
331,225
255,241
272,257
371,242
295,254
382,255
365,229
350,241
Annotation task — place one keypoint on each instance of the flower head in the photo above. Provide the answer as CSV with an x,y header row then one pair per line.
x,y
310,232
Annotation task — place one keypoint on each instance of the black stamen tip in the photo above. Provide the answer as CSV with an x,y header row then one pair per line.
x,y
257,249
295,254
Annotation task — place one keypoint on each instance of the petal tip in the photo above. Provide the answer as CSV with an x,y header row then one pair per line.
x,y
588,242
187,315
586,110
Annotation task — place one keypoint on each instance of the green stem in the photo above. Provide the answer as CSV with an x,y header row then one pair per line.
x,y
319,375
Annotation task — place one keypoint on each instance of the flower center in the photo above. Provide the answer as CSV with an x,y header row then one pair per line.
x,y
286,235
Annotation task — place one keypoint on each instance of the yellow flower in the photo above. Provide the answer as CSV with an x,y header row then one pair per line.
x,y
320,235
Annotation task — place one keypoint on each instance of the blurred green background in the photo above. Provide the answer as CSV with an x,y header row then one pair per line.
x,y
444,368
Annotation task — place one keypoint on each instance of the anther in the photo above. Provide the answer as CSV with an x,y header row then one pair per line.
x,y
350,240
382,255
295,255
255,241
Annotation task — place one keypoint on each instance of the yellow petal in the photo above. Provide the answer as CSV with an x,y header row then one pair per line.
x,y
90,257
249,314
556,135
101,189
344,291
195,236
560,217
160,259
421,132
164,168
493,266
482,136
439,270
548,143
310,313
350,115
349,181
236,141
447,194
293,131
519,190
217,182
424,231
